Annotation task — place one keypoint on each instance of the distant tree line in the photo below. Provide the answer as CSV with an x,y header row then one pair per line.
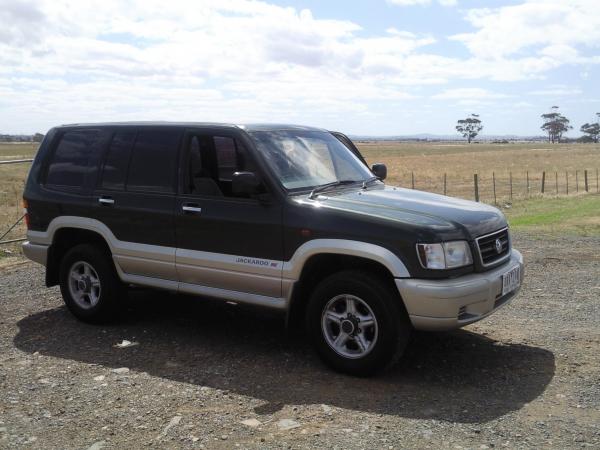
x,y
37,137
555,124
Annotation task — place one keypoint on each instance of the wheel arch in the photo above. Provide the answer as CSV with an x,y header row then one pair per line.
x,y
317,263
65,238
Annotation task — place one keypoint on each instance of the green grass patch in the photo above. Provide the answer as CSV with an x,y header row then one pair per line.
x,y
573,215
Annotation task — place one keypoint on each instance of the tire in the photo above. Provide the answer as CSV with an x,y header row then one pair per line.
x,y
94,292
359,351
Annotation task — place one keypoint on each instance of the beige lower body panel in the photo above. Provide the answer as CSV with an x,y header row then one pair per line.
x,y
221,276
454,303
146,267
229,272
36,252
234,296
237,281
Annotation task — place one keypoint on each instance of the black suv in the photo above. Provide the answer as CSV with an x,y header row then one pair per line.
x,y
281,216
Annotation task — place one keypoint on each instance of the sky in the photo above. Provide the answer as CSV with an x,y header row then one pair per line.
x,y
364,67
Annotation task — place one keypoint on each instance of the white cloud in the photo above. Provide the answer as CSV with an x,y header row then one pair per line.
x,y
468,93
557,92
409,2
237,60
219,60
554,25
421,2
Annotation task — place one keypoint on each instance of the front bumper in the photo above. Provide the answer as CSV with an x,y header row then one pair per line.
x,y
453,303
36,252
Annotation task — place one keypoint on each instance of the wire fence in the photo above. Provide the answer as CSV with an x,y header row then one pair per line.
x,y
496,188
499,187
13,173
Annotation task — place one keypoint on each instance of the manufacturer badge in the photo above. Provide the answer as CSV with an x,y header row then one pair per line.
x,y
498,246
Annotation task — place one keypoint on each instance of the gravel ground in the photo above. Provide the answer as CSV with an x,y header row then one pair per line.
x,y
202,374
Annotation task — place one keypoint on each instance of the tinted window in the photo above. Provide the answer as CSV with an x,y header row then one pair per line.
x,y
225,148
70,163
211,162
153,163
117,160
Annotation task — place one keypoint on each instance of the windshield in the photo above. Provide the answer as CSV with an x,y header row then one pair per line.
x,y
306,159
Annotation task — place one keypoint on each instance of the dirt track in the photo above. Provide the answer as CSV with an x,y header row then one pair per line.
x,y
528,376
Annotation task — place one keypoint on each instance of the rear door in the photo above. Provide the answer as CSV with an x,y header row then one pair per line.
x,y
135,197
225,242
68,176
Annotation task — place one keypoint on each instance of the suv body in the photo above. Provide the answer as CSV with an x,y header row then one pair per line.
x,y
280,216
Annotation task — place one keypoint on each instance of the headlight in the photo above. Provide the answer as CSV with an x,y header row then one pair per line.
x,y
447,255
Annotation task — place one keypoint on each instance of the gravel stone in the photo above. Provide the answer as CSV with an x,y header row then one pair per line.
x,y
526,377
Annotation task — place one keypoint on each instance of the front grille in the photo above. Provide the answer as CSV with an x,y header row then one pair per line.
x,y
488,249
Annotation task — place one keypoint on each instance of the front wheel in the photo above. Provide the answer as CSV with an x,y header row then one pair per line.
x,y
357,323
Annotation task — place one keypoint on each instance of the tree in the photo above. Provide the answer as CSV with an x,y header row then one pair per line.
x,y
592,130
469,127
555,124
38,137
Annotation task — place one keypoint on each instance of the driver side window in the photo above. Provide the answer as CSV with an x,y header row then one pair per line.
x,y
211,162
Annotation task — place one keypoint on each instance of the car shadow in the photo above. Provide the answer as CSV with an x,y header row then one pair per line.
x,y
457,376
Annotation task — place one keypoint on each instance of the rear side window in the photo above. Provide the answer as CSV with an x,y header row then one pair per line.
x,y
71,162
153,162
117,160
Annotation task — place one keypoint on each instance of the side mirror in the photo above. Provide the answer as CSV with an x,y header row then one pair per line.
x,y
245,184
379,170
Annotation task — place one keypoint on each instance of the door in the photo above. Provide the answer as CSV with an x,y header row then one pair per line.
x,y
225,243
135,199
70,174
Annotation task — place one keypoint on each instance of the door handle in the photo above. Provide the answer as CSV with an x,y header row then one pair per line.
x,y
191,208
106,201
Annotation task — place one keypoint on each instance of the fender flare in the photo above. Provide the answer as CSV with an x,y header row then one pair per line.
x,y
292,269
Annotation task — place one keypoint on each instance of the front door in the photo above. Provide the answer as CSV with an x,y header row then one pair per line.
x,y
227,246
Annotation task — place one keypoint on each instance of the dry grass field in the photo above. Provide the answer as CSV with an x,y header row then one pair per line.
x,y
428,162
12,180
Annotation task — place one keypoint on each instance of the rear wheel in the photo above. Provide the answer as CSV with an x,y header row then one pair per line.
x,y
89,283
357,323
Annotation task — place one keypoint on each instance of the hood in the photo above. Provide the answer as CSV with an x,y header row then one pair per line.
x,y
418,208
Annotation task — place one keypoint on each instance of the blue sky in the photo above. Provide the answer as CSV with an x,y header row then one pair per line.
x,y
389,67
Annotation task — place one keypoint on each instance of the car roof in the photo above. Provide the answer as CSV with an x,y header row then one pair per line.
x,y
247,127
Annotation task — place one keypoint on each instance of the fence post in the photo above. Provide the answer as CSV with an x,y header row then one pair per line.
x,y
556,181
527,183
476,184
510,177
444,183
586,180
494,184
577,181
597,180
543,181
412,177
567,176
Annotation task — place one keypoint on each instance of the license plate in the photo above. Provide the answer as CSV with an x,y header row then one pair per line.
x,y
511,280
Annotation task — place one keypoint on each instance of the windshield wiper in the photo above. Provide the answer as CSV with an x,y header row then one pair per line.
x,y
326,186
369,181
